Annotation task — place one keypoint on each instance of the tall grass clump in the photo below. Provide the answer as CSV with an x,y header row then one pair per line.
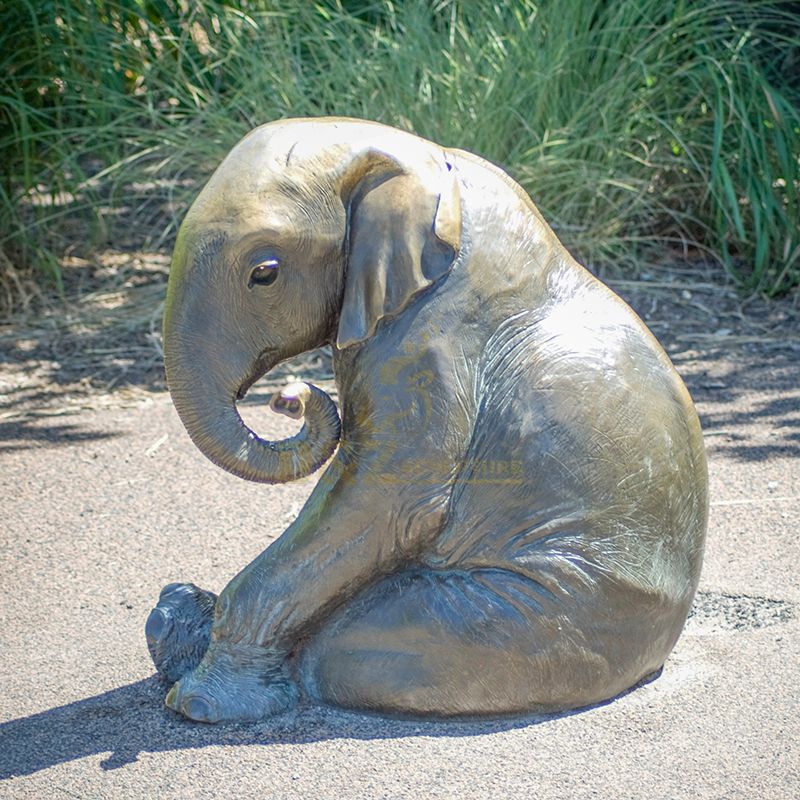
x,y
644,129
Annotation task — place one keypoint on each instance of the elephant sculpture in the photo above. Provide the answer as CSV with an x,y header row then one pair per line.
x,y
514,516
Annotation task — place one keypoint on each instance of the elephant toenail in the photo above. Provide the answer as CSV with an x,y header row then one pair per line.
x,y
158,624
171,700
198,709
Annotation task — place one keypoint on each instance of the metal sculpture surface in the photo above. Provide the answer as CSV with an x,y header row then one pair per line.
x,y
515,515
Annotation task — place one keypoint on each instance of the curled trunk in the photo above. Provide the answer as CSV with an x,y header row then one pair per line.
x,y
216,427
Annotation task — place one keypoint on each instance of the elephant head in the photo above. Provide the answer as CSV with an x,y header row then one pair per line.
x,y
309,232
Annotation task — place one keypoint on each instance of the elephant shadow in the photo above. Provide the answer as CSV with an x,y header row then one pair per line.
x,y
132,719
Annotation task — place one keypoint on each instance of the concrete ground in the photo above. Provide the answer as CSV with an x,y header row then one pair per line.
x,y
100,509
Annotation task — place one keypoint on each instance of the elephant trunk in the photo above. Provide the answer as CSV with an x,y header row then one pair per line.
x,y
210,416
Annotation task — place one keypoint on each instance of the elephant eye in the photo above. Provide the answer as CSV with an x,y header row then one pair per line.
x,y
264,273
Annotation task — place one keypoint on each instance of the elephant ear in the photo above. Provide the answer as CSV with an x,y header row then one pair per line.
x,y
404,231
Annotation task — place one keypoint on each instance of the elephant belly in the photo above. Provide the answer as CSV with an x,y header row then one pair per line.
x,y
483,641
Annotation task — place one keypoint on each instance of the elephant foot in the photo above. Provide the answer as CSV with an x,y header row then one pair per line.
x,y
233,683
178,629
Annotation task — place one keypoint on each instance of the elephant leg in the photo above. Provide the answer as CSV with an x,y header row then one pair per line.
x,y
456,643
178,629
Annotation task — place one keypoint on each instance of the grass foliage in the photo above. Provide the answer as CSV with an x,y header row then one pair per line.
x,y
642,128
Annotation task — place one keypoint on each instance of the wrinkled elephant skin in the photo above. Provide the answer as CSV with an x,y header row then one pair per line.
x,y
514,517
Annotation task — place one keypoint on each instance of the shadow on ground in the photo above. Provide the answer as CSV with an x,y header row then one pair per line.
x,y
739,392
132,719
25,433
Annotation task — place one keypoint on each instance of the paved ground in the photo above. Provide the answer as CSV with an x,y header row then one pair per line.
x,y
99,509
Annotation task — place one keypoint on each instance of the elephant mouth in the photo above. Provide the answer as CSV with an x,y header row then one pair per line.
x,y
266,361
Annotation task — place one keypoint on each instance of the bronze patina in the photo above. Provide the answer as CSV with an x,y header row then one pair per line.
x,y
514,515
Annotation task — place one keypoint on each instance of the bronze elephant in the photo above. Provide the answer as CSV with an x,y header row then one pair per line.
x,y
514,517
